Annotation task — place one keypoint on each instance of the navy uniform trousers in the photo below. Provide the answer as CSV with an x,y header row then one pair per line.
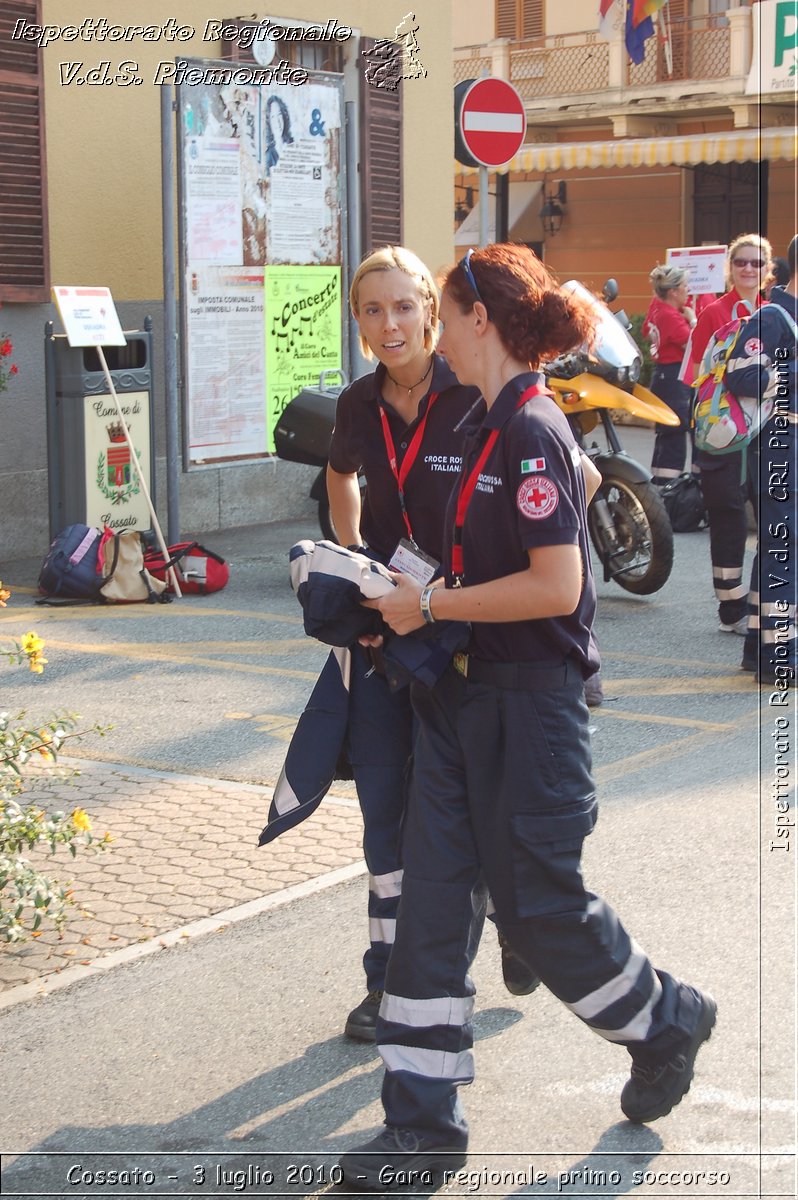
x,y
378,746
670,442
502,799
723,485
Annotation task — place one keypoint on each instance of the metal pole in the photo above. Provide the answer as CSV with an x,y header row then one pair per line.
x,y
170,315
483,206
503,207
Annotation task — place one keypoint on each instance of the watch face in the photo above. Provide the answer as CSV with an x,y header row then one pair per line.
x,y
263,50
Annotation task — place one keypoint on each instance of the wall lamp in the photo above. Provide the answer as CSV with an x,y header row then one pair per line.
x,y
461,210
553,210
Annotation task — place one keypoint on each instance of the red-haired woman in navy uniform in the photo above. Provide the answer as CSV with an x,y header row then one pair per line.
x,y
401,427
502,794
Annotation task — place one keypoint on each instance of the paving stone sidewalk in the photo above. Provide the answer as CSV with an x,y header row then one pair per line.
x,y
184,848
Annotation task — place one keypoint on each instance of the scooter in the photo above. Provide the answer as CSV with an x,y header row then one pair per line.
x,y
629,526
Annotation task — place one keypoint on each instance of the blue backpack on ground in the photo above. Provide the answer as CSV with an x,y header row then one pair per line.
x,y
70,567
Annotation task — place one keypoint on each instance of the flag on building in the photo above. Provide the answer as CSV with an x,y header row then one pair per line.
x,y
637,35
644,8
610,18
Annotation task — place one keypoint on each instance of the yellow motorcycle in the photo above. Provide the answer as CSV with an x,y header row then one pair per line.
x,y
629,526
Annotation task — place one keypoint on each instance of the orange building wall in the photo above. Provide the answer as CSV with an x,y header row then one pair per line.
x,y
606,233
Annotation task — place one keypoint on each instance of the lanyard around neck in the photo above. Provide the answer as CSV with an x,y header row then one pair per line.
x,y
468,483
400,473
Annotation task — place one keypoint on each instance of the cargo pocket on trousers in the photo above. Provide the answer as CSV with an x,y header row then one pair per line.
x,y
546,850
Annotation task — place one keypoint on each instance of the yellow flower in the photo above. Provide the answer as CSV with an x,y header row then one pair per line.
x,y
4,594
31,644
36,663
80,820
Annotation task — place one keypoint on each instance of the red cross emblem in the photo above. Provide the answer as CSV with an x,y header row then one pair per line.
x,y
537,497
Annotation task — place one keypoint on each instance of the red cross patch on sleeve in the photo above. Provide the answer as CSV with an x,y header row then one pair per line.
x,y
537,497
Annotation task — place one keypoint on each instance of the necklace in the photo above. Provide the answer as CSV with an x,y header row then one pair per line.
x,y
413,386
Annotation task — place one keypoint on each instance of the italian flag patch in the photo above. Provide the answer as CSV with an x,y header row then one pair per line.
x,y
528,465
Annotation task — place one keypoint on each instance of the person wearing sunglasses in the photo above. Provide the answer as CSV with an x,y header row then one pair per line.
x,y
765,365
722,477
502,796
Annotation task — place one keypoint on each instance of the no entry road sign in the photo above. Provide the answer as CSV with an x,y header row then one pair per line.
x,y
492,121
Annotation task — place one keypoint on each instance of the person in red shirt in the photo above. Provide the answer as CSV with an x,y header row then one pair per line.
x,y
722,481
667,326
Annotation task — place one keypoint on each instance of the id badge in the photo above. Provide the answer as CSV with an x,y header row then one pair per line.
x,y
411,560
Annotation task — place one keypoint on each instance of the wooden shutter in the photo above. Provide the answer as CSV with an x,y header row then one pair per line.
x,y
24,250
380,160
520,19
506,24
531,18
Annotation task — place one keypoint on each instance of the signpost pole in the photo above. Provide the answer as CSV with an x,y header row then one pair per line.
x,y
170,315
483,206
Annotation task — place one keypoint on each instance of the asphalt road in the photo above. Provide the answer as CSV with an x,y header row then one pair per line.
x,y
231,1044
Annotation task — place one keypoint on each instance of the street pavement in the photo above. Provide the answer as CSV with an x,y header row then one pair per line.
x,y
189,1021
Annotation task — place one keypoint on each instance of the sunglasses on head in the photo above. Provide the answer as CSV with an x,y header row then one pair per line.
x,y
759,263
465,263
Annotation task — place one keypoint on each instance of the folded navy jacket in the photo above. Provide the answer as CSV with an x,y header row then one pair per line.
x,y
330,582
312,761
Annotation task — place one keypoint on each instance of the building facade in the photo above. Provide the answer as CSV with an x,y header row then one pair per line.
x,y
694,144
81,197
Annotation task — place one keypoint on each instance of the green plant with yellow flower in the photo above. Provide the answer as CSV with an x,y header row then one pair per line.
x,y
28,755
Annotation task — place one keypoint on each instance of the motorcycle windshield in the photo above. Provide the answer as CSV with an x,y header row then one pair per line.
x,y
613,345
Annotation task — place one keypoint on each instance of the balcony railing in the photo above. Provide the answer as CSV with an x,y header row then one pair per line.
x,y
699,49
569,64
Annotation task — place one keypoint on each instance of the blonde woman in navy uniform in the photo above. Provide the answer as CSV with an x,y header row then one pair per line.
x,y
400,427
502,791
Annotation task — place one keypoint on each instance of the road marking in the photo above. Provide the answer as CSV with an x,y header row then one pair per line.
x,y
655,660
169,653
666,752
740,681
651,719
129,612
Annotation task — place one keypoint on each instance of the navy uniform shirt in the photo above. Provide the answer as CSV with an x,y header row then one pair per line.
x,y
358,444
531,492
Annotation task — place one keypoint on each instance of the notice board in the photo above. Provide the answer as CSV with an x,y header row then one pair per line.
x,y
260,185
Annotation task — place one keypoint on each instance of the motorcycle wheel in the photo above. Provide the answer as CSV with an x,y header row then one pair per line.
x,y
638,553
325,523
325,517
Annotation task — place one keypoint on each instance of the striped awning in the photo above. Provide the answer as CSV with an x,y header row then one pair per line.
x,y
743,145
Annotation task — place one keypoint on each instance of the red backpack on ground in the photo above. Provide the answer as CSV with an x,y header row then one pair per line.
x,y
198,569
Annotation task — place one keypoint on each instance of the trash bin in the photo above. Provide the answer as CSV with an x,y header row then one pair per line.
x,y
91,478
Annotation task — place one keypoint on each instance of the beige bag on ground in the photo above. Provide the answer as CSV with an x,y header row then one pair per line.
x,y
127,579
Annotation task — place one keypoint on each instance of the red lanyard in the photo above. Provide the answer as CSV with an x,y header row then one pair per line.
x,y
400,474
468,484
